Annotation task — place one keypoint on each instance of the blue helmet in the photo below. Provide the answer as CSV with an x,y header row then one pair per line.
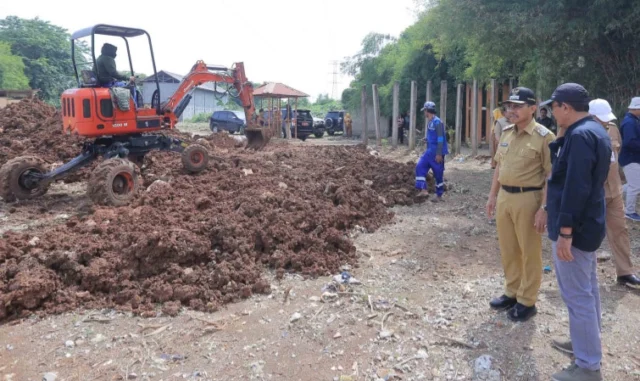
x,y
429,106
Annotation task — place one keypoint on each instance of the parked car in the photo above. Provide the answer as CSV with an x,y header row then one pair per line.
x,y
304,122
227,120
318,127
334,122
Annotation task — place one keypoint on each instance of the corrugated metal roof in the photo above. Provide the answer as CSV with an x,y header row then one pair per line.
x,y
174,75
152,78
278,90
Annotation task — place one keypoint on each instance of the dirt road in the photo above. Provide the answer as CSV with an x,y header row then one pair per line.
x,y
415,308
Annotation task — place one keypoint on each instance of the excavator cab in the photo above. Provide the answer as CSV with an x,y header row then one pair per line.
x,y
90,110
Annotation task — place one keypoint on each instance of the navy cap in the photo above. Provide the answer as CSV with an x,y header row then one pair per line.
x,y
521,95
429,106
569,92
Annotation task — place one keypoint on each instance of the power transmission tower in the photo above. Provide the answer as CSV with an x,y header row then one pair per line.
x,y
334,82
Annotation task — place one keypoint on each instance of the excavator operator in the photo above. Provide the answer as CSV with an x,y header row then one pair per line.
x,y
107,73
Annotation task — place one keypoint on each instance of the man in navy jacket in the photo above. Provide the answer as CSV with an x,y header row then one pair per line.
x,y
630,156
581,156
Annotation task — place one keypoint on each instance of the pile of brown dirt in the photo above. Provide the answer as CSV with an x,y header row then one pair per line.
x,y
34,127
193,240
202,241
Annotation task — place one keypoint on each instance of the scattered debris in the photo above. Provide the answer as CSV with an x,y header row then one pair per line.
x,y
603,256
295,317
483,369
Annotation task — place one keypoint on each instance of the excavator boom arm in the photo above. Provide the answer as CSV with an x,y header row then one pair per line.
x,y
200,74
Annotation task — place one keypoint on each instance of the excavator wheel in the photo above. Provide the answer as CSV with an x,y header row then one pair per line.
x,y
195,158
12,180
114,182
257,138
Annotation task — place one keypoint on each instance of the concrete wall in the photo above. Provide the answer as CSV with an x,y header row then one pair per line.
x,y
371,130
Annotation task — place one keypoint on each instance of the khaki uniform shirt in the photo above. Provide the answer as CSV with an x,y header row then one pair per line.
x,y
525,159
613,185
499,126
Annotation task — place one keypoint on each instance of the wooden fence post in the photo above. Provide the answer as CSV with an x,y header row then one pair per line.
x,y
412,123
376,114
443,102
396,114
474,118
459,106
492,105
365,137
428,98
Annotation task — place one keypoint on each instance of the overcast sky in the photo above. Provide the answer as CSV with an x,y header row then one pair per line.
x,y
289,41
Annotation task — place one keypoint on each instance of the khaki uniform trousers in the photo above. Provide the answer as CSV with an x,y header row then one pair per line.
x,y
520,244
618,235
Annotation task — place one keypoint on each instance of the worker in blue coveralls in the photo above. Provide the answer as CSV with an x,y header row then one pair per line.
x,y
433,158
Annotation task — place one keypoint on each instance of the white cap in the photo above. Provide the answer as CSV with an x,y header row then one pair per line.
x,y
635,103
601,109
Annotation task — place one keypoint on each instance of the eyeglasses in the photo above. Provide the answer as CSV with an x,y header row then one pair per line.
x,y
514,106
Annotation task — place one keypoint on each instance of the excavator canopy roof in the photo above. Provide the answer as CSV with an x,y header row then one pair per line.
x,y
109,30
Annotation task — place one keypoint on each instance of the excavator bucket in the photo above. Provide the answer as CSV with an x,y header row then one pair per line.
x,y
257,138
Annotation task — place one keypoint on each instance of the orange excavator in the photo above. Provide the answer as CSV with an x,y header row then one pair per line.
x,y
122,136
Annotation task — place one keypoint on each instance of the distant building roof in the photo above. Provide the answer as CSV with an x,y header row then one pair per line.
x,y
278,90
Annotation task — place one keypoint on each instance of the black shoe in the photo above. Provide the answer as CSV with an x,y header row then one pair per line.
x,y
503,303
521,313
629,281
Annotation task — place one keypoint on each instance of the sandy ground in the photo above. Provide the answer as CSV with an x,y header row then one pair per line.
x,y
416,308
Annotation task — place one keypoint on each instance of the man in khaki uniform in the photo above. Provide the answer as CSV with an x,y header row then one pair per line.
x,y
277,119
617,233
500,124
348,125
519,191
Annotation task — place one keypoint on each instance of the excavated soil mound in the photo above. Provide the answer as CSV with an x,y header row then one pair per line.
x,y
201,241
34,127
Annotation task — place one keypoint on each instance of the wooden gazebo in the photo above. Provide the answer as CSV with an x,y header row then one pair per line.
x,y
274,92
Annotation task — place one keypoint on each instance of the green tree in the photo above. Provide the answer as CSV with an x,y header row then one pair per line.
x,y
232,103
537,43
11,70
407,58
303,102
46,53
127,73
